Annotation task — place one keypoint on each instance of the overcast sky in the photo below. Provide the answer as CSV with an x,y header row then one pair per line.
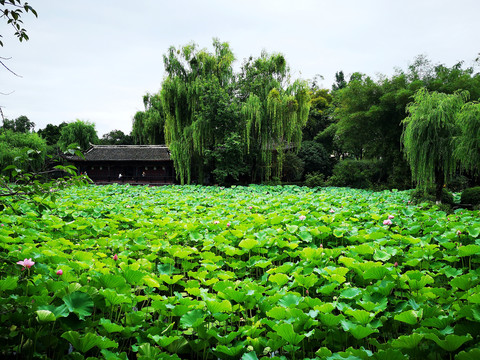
x,y
95,59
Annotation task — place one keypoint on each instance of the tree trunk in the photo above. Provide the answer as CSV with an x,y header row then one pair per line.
x,y
439,181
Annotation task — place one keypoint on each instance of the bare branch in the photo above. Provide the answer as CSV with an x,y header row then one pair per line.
x,y
6,67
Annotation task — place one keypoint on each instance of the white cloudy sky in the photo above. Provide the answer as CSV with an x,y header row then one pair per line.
x,y
95,59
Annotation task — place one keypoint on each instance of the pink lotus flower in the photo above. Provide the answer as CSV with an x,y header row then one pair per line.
x,y
228,224
28,263
59,272
249,208
302,217
387,222
216,222
459,233
396,264
332,211
115,257
391,216
321,245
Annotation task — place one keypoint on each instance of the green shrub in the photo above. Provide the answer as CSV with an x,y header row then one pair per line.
x,y
419,196
315,179
458,183
471,196
360,174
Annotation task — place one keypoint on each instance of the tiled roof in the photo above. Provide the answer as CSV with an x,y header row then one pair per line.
x,y
126,153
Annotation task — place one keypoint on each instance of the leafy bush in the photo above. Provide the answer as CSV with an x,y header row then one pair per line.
x,y
458,183
360,174
315,158
292,168
419,196
315,179
471,196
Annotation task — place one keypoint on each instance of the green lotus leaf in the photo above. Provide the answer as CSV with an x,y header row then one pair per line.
x,y
109,326
170,280
9,283
465,282
150,281
279,279
380,255
288,334
292,228
451,342
361,316
192,319
58,311
323,353
325,308
305,236
219,306
474,230
351,293
472,354
408,341
133,277
250,356
306,281
376,273
79,303
248,243
232,351
410,317
468,250
108,355
358,331
330,319
289,300
44,316
113,298
112,281
277,312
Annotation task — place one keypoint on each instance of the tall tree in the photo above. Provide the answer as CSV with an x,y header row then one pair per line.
x,y
148,125
427,137
21,124
275,112
196,96
467,144
81,133
51,133
116,137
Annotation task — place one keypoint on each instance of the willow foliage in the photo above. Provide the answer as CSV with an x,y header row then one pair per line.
x,y
467,149
148,125
191,75
428,136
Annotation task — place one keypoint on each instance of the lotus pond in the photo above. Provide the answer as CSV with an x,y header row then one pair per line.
x,y
256,272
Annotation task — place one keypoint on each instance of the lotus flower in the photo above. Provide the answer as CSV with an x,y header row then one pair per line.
x,y
302,217
332,211
216,222
115,257
391,216
28,263
59,272
228,224
387,222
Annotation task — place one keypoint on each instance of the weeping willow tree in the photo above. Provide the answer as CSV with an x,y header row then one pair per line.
x,y
191,108
148,125
428,134
274,116
467,144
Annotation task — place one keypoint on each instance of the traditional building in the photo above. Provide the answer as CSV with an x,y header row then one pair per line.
x,y
133,164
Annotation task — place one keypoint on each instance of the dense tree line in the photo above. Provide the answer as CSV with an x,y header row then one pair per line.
x,y
257,125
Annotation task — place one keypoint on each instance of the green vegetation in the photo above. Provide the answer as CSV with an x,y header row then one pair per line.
x,y
471,196
257,272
